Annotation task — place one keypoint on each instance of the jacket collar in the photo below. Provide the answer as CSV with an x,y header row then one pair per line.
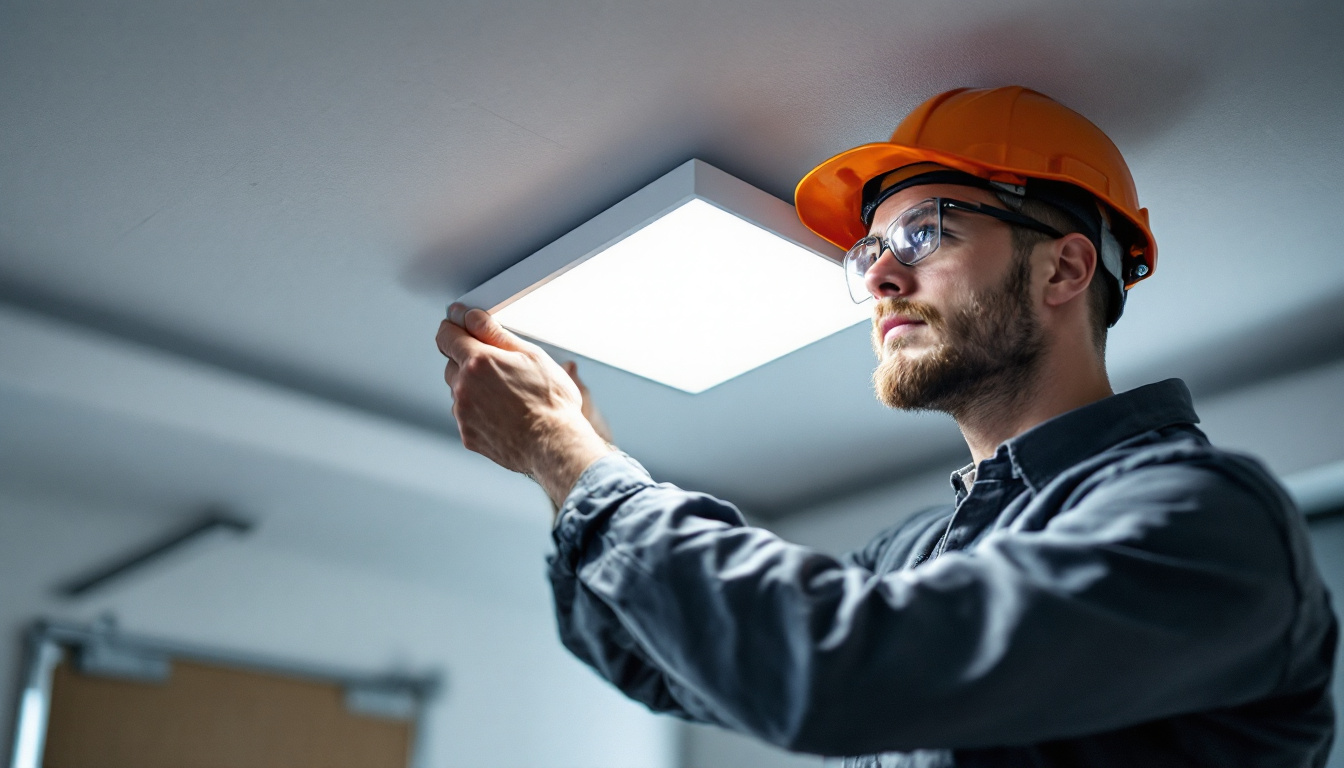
x,y
1041,453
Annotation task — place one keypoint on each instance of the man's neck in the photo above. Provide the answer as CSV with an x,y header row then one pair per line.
x,y
1061,384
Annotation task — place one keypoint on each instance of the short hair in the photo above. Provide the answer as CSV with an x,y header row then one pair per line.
x,y
1101,291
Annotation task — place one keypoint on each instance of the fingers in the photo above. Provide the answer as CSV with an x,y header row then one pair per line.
x,y
450,373
457,313
484,327
590,411
441,337
572,368
455,343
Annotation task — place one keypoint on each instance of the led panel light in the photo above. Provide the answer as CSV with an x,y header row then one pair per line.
x,y
695,279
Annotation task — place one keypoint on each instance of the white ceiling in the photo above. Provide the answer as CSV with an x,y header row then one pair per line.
x,y
294,190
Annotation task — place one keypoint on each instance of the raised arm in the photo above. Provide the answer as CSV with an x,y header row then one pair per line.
x,y
989,647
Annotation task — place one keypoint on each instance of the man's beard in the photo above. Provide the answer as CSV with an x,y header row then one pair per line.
x,y
987,356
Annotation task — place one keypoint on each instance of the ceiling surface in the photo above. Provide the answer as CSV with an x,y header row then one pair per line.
x,y
293,191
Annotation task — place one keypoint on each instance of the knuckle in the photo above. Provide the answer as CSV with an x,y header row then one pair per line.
x,y
470,440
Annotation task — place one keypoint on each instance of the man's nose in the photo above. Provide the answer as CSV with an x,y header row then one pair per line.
x,y
888,277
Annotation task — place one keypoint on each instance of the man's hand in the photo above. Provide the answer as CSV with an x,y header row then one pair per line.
x,y
590,411
514,404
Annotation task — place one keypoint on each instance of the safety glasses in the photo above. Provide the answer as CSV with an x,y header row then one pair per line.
x,y
916,233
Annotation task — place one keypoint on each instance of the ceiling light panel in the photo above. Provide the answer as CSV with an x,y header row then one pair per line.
x,y
695,279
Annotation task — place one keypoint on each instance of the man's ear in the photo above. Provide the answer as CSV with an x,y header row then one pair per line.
x,y
1073,261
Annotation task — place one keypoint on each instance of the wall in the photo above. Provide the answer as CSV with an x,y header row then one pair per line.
x,y
514,696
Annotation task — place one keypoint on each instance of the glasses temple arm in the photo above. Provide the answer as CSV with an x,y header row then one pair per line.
x,y
1002,214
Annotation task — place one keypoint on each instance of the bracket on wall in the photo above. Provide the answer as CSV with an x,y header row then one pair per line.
x,y
211,522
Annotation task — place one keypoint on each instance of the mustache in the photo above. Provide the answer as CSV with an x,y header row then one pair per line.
x,y
907,308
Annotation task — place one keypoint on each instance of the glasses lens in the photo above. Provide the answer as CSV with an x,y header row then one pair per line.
x,y
915,233
857,261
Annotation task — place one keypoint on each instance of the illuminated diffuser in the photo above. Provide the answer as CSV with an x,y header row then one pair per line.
x,y
692,280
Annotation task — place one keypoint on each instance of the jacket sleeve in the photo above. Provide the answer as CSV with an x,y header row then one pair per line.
x,y
1164,589
589,628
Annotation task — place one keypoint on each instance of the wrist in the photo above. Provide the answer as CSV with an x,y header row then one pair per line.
x,y
564,458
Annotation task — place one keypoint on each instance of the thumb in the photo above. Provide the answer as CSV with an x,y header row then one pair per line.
x,y
484,327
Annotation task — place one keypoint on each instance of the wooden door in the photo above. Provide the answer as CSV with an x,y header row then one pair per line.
x,y
207,716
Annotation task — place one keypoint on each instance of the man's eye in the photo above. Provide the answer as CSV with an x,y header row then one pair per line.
x,y
922,235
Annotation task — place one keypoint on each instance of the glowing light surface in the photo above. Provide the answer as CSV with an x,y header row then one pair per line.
x,y
694,298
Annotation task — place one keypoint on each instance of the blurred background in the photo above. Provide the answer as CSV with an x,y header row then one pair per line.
x,y
228,232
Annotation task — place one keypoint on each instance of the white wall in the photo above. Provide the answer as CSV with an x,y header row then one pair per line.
x,y
514,697
704,746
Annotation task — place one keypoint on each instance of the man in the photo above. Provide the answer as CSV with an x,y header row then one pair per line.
x,y
1107,589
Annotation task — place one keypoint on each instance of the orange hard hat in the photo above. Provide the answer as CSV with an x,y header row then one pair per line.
x,y
1006,135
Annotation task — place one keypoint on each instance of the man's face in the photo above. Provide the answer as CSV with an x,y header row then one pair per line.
x,y
959,328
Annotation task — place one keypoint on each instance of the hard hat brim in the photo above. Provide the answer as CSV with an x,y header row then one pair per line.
x,y
829,198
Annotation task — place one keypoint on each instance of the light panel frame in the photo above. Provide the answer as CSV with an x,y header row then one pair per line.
x,y
692,180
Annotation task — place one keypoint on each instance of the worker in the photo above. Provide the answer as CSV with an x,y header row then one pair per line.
x,y
1105,588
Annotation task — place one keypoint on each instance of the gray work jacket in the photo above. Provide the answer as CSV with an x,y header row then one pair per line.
x,y
1112,591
